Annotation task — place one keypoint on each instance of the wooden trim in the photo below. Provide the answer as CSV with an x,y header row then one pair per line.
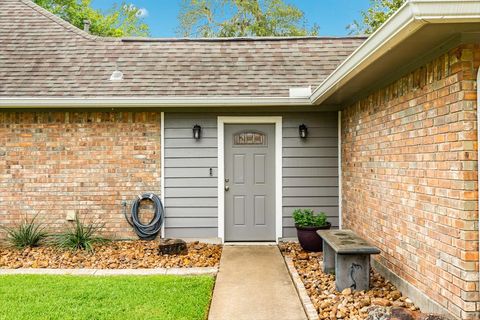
x,y
221,121
162,168
340,221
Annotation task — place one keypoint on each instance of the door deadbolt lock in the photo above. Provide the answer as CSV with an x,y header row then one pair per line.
x,y
227,188
226,180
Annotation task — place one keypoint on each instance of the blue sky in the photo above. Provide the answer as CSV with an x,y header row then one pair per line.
x,y
331,15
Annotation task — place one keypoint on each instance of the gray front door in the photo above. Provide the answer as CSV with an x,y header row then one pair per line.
x,y
249,182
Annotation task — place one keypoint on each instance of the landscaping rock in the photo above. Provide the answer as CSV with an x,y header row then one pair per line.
x,y
113,255
347,291
395,295
303,256
381,302
379,313
348,305
173,246
404,314
392,313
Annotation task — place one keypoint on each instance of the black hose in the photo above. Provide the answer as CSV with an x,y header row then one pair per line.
x,y
146,231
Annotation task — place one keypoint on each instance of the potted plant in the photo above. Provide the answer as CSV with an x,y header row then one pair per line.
x,y
307,224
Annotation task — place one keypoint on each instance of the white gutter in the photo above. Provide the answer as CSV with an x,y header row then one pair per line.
x,y
413,15
126,102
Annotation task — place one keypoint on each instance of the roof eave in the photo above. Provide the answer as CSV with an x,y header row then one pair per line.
x,y
412,16
129,102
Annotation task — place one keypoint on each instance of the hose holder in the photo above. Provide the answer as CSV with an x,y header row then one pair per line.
x,y
150,230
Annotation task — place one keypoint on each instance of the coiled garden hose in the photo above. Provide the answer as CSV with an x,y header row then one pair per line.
x,y
145,231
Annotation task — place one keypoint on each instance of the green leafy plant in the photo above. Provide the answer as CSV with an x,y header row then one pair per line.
x,y
307,218
120,20
27,234
81,236
376,15
242,18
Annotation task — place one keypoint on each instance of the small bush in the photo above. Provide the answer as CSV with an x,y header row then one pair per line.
x,y
27,234
81,237
307,218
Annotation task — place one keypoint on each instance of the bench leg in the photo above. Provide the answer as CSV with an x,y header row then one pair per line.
x,y
352,271
328,258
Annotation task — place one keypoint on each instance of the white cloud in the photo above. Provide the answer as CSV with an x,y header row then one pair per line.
x,y
142,13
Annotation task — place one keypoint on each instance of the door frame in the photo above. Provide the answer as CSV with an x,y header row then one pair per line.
x,y
221,121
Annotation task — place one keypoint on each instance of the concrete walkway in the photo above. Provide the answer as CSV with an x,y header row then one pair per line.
x,y
253,284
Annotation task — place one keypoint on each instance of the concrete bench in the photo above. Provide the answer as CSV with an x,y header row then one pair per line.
x,y
348,256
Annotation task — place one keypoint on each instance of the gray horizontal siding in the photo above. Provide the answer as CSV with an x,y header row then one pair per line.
x,y
311,192
198,222
190,191
310,167
185,132
188,163
310,152
187,143
188,153
207,212
311,182
187,182
191,232
310,173
322,131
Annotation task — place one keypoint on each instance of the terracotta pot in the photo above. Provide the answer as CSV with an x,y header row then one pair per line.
x,y
309,239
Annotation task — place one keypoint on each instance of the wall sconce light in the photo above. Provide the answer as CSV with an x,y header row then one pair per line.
x,y
303,131
197,130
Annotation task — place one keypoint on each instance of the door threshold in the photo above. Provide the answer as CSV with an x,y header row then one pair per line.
x,y
251,243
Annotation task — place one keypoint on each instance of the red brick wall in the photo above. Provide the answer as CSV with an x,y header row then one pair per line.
x,y
55,162
409,161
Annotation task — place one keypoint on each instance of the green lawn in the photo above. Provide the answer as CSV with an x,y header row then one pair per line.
x,y
113,297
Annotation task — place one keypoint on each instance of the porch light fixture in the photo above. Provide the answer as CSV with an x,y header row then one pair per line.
x,y
197,130
303,131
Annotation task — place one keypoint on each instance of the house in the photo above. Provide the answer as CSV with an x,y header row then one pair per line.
x,y
379,133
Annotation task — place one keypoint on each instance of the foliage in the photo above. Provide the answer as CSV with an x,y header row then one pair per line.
x,y
375,16
26,297
81,237
27,234
120,21
242,18
307,218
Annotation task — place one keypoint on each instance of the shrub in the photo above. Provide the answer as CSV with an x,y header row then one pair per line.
x,y
81,237
307,218
27,234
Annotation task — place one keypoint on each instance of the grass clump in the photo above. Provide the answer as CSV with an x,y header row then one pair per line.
x,y
27,234
81,236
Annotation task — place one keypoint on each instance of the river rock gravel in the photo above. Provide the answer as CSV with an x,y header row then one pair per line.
x,y
112,255
349,305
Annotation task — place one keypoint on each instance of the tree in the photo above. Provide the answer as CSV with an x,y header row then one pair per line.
x,y
241,18
375,16
120,21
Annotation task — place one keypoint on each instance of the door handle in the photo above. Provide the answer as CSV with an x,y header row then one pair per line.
x,y
227,188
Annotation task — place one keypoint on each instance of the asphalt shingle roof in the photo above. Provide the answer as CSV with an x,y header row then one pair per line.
x,y
44,56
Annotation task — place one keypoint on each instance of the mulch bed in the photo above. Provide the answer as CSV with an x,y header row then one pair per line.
x,y
112,255
348,305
